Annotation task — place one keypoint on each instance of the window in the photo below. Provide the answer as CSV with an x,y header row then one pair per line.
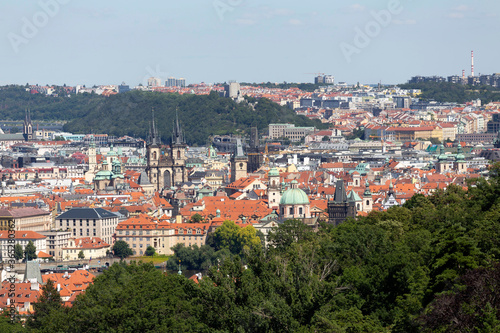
x,y
87,223
368,202
134,245
74,223
81,232
291,211
300,210
94,223
80,223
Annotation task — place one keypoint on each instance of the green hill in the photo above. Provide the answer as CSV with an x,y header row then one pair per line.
x,y
130,113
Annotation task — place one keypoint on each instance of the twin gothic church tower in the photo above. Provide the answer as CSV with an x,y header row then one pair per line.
x,y
166,167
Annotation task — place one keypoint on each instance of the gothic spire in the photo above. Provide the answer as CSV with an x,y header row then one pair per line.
x,y
177,133
153,134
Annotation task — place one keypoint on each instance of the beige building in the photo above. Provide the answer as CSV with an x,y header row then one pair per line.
x,y
143,231
29,218
92,247
56,241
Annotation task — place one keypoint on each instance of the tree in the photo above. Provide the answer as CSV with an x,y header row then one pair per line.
x,y
287,233
81,255
196,218
150,251
18,252
122,250
49,302
30,251
230,236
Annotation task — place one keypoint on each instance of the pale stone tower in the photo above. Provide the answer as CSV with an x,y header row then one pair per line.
x,y
273,188
238,163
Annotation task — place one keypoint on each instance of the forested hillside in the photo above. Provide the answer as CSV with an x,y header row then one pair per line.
x,y
130,113
431,266
454,92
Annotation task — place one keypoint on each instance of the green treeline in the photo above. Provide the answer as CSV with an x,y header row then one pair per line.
x,y
201,116
309,87
431,266
454,92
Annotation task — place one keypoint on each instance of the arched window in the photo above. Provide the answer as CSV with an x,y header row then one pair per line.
x,y
368,202
291,211
359,207
154,155
300,210
178,154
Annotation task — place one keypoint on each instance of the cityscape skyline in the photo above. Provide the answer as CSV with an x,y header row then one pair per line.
x,y
65,42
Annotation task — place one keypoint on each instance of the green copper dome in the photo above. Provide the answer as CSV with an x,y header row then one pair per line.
x,y
294,196
273,172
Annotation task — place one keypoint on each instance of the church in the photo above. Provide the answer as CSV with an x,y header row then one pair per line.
x,y
166,167
27,134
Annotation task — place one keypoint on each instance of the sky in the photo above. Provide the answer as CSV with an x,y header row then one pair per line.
x,y
96,42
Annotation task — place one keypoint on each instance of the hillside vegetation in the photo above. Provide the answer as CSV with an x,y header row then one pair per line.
x,y
130,113
454,92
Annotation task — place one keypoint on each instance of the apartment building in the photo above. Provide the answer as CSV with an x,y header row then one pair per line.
x,y
89,222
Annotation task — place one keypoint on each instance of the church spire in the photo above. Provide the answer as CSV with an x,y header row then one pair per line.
x,y
177,133
153,133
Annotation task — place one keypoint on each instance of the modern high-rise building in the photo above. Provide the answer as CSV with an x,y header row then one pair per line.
x,y
181,82
154,82
171,82
329,79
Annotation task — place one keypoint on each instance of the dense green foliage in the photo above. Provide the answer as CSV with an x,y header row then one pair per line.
x,y
18,251
150,251
431,265
14,100
49,304
454,92
201,116
122,250
30,251
310,87
229,239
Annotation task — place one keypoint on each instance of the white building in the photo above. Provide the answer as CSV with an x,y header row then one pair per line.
x,y
22,237
92,247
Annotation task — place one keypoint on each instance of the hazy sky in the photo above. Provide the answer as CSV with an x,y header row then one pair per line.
x,y
107,42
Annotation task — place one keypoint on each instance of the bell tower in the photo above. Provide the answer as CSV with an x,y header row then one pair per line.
x,y
238,163
178,153
153,152
273,188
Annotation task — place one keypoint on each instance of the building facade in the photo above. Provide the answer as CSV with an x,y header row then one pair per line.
x,y
29,218
89,222
166,168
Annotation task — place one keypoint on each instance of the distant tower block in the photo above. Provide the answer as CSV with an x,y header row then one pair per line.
x,y
472,63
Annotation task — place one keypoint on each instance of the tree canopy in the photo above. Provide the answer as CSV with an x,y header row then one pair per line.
x,y
130,113
122,250
30,251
